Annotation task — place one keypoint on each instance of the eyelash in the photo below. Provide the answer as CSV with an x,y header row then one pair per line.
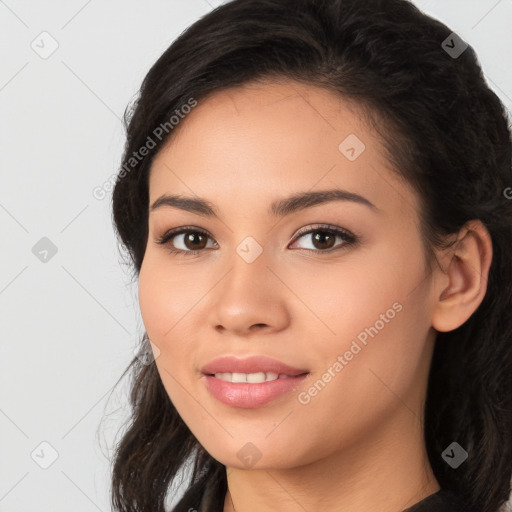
x,y
349,238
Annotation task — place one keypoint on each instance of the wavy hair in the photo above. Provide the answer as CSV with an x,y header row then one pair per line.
x,y
445,132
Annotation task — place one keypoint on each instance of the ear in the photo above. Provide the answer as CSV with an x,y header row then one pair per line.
x,y
461,284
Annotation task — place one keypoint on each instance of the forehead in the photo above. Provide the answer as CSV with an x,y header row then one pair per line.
x,y
254,142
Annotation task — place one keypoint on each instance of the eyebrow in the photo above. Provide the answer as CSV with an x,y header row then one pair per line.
x,y
279,208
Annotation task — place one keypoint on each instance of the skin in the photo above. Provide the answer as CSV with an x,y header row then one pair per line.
x,y
358,444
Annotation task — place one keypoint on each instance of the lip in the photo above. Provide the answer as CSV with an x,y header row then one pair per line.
x,y
250,395
252,364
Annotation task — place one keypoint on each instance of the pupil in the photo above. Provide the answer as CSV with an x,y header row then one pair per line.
x,y
191,237
322,236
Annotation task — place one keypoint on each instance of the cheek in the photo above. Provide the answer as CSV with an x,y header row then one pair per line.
x,y
151,299
162,304
342,299
163,298
167,307
380,337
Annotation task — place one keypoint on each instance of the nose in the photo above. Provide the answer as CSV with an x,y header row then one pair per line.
x,y
250,298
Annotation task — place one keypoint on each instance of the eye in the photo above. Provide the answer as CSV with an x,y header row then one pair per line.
x,y
325,236
190,240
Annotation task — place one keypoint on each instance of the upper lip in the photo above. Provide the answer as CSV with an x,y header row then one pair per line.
x,y
252,364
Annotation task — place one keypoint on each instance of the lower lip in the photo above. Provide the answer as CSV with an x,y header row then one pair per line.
x,y
247,395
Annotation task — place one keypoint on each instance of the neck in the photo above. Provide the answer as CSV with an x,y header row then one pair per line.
x,y
388,471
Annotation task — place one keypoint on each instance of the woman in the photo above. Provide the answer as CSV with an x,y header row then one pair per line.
x,y
313,195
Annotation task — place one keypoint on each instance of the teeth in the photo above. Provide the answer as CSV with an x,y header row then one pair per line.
x,y
252,378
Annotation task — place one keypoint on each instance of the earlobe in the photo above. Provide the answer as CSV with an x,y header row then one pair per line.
x,y
463,285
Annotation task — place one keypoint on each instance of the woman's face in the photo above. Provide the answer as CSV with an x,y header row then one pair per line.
x,y
352,313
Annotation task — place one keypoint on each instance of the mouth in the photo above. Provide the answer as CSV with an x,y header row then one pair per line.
x,y
251,382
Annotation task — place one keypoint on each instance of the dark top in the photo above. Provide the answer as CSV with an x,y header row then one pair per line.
x,y
441,501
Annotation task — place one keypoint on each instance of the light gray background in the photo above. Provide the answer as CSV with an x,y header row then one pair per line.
x,y
68,326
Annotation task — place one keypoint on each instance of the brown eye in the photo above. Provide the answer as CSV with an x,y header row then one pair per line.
x,y
194,240
324,238
186,241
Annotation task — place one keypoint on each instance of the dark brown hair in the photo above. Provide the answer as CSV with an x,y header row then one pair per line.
x,y
445,132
